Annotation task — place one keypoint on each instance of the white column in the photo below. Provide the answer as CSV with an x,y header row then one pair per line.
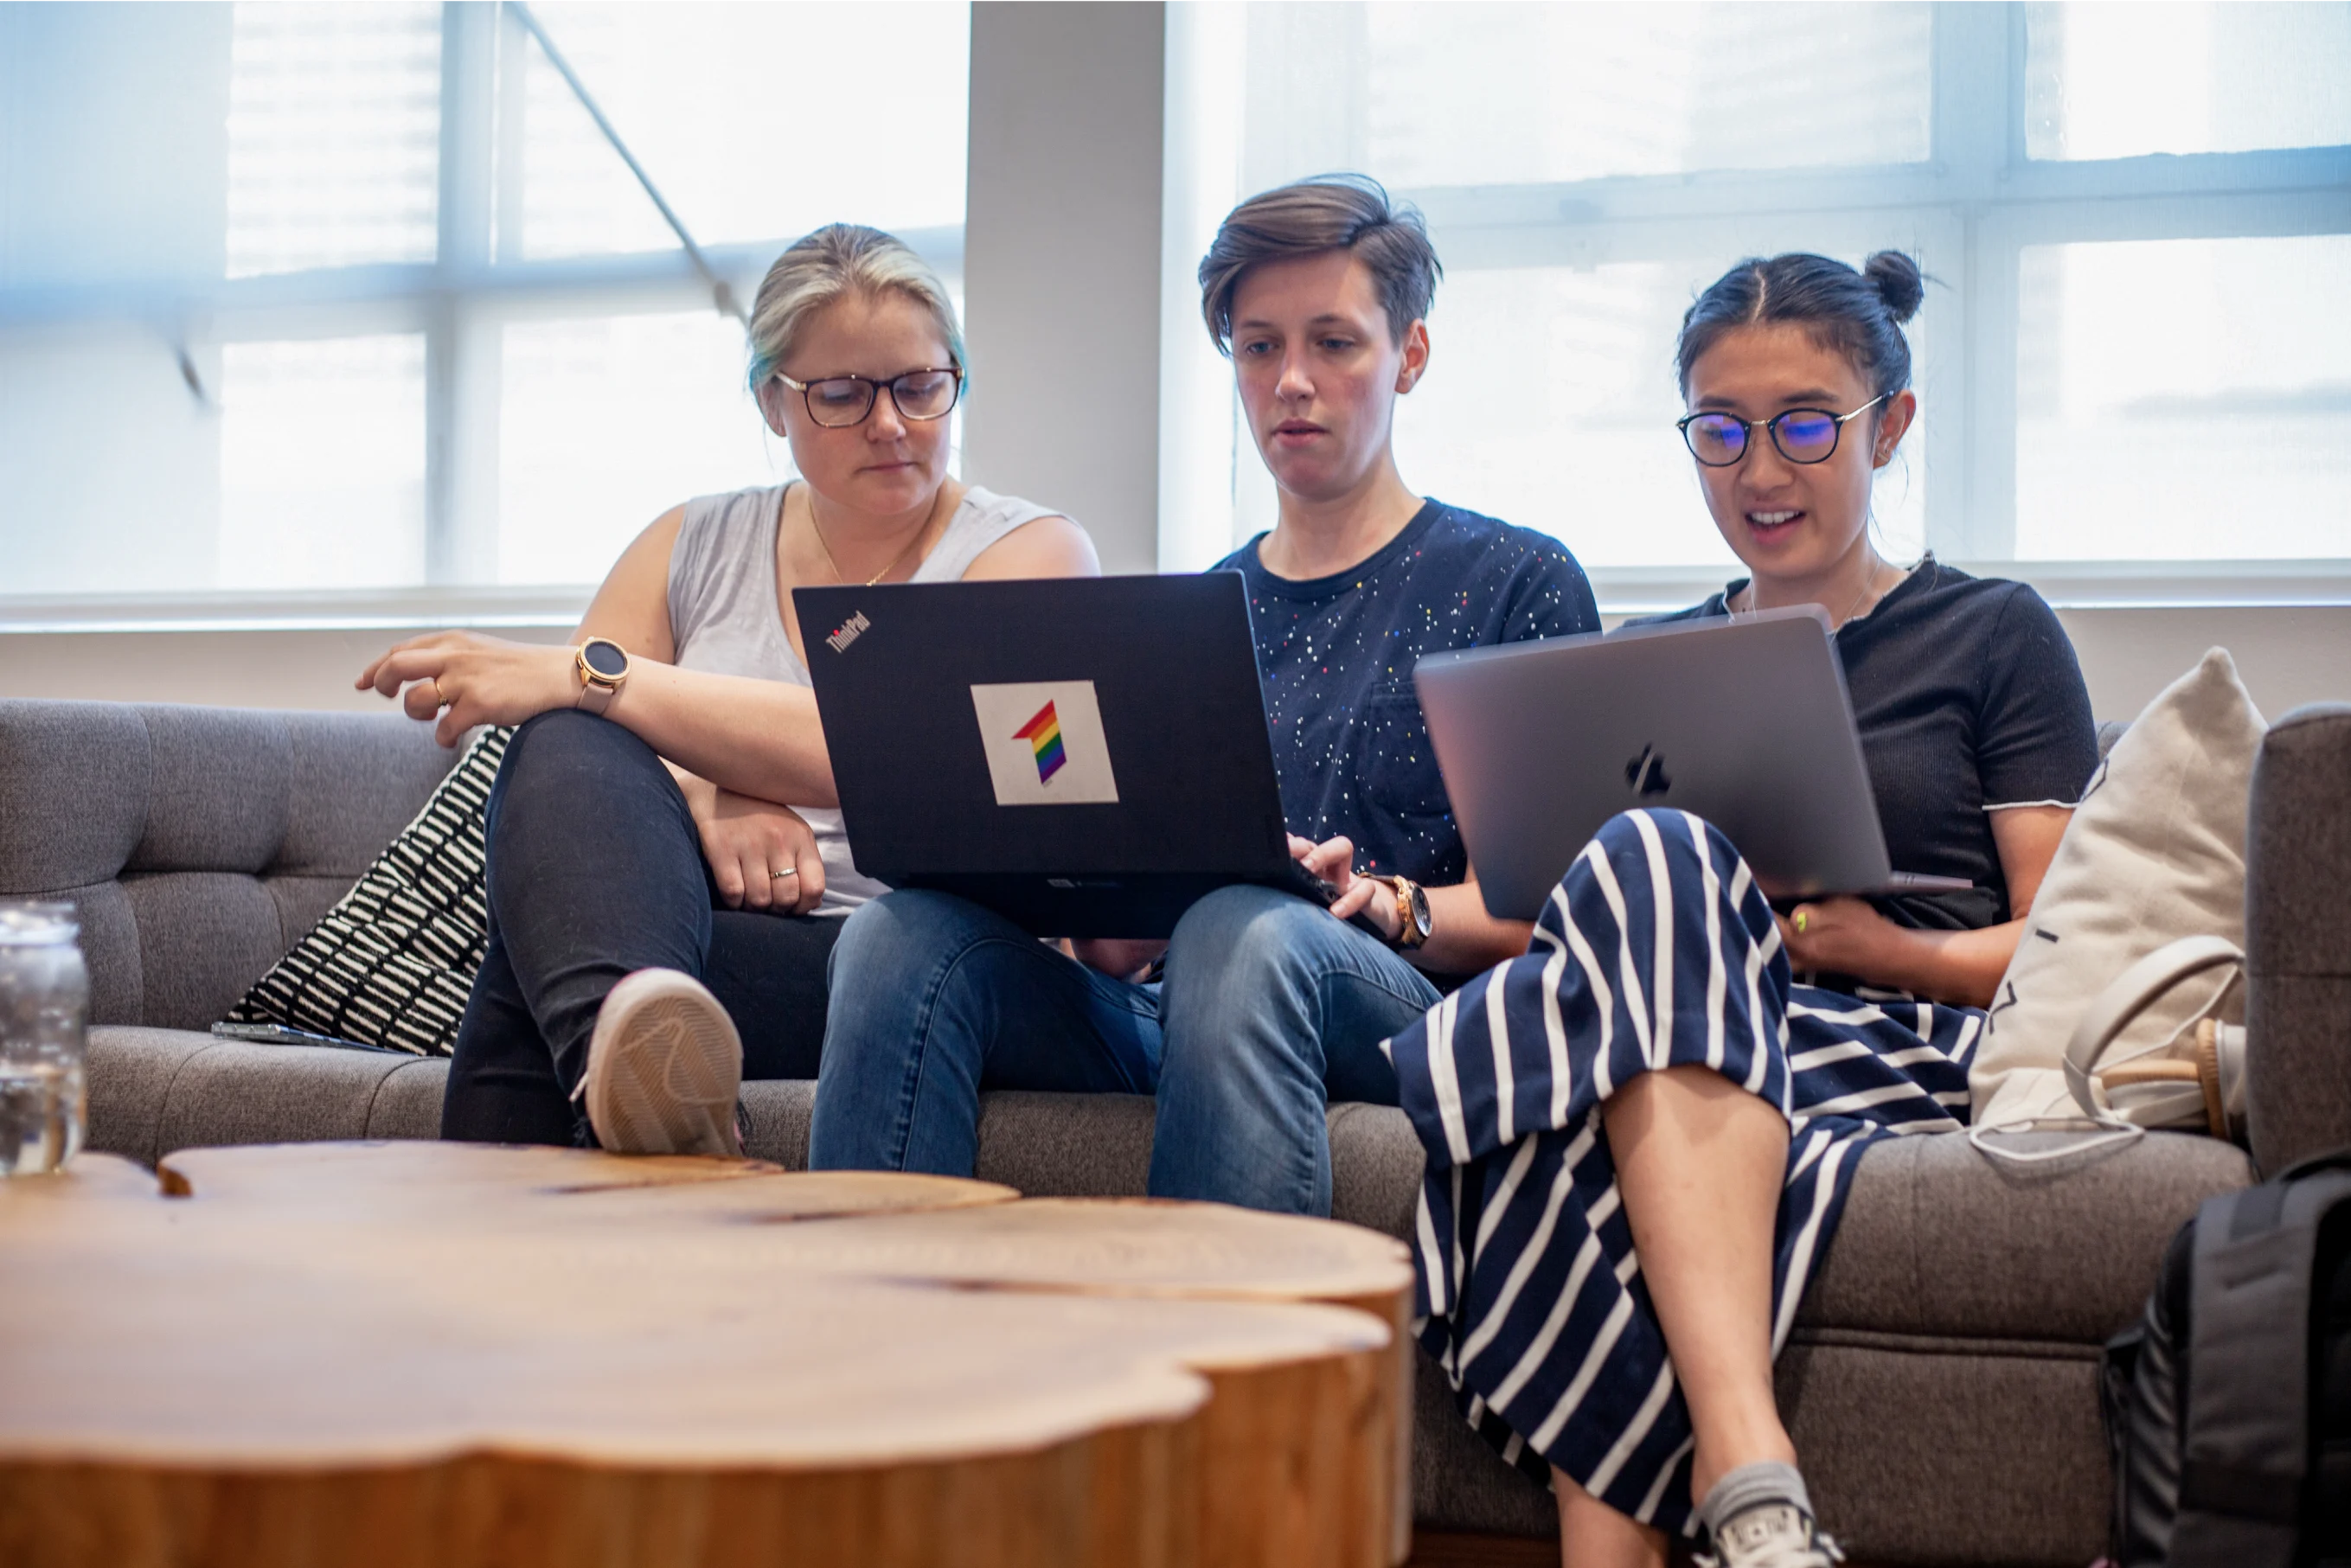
x,y
1205,42
1061,265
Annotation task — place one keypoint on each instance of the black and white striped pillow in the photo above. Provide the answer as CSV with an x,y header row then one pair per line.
x,y
393,962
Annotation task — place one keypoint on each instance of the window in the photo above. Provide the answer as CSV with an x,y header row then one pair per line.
x,y
351,309
2132,362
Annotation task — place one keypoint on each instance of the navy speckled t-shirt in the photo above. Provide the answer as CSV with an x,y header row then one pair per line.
x,y
1336,654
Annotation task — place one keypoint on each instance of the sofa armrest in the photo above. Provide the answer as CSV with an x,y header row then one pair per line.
x,y
2298,938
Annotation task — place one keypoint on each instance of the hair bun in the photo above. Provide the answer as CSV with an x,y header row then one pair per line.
x,y
1898,283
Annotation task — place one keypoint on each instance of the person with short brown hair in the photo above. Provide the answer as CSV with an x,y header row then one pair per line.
x,y
1264,1006
1313,218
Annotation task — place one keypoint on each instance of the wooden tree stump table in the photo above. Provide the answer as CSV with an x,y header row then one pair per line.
x,y
456,1355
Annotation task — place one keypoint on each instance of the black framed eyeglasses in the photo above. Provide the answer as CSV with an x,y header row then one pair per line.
x,y
837,403
1801,435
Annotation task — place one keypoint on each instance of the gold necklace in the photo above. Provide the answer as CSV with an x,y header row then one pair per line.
x,y
841,577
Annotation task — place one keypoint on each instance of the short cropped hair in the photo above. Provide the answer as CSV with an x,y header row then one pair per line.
x,y
1330,211
822,267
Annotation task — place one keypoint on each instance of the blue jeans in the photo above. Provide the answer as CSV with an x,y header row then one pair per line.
x,y
1269,1008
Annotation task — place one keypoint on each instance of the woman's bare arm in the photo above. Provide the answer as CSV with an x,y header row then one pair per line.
x,y
1849,937
756,737
1463,938
1041,547
632,607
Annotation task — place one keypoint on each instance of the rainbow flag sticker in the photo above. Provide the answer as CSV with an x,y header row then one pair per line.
x,y
1044,743
1043,733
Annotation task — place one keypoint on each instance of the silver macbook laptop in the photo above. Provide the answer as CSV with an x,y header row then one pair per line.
x,y
1746,723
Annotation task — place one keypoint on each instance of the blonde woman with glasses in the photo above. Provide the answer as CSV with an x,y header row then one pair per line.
x,y
667,871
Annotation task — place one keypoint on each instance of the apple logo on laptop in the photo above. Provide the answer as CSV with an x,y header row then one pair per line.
x,y
1646,774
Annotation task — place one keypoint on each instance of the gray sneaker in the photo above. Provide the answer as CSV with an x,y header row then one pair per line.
x,y
663,1069
1772,1535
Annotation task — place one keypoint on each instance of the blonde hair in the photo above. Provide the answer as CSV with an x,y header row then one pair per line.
x,y
835,261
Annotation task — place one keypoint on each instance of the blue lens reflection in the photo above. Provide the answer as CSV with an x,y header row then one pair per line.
x,y
1806,433
1718,437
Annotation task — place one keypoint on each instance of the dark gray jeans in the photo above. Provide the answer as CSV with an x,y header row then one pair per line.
x,y
595,871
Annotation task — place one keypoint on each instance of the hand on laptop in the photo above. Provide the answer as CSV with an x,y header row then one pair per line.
x,y
1333,862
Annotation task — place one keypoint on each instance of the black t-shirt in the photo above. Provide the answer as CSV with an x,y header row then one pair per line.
x,y
1337,655
1968,698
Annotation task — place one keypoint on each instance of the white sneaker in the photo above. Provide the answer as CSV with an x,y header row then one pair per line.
x,y
1772,1535
664,1066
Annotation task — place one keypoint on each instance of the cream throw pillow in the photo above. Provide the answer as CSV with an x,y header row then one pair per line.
x,y
2156,852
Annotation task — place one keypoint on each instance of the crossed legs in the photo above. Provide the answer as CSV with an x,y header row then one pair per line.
x,y
1700,1162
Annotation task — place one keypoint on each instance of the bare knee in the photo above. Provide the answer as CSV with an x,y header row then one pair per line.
x,y
1690,1101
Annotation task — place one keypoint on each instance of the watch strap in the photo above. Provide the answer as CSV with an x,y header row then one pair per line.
x,y
1409,934
597,689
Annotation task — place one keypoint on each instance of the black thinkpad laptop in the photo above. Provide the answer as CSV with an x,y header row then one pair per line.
x,y
1085,755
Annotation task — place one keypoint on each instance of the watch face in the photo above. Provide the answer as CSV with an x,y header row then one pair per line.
x,y
1420,914
605,658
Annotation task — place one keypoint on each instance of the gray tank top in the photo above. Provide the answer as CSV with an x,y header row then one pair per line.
x,y
724,616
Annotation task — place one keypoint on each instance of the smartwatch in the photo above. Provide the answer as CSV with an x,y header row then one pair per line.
x,y
603,666
1413,920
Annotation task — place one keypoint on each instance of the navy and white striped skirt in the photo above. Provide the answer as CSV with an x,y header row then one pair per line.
x,y
1656,950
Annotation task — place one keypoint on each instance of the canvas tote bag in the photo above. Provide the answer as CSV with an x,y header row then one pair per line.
x,y
2154,855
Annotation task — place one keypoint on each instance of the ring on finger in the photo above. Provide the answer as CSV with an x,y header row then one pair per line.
x,y
1803,918
788,871
438,700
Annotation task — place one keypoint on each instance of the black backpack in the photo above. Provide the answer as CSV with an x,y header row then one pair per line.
x,y
2229,1405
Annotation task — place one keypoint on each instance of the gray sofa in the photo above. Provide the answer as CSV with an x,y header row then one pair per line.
x,y
1941,1378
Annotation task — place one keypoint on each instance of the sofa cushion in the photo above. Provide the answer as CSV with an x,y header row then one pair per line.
x,y
240,1092
1965,1454
1940,1242
2155,852
199,932
130,1077
2297,940
1044,1145
407,1102
73,776
154,1090
393,962
1883,1432
778,1111
1376,1162
220,780
141,814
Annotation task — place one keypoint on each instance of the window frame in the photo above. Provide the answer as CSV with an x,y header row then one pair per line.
x,y
458,302
1976,201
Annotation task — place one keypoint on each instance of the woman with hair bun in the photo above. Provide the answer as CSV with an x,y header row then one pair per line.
x,y
666,869
1641,1133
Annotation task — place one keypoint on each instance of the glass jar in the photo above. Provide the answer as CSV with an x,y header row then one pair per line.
x,y
44,1009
